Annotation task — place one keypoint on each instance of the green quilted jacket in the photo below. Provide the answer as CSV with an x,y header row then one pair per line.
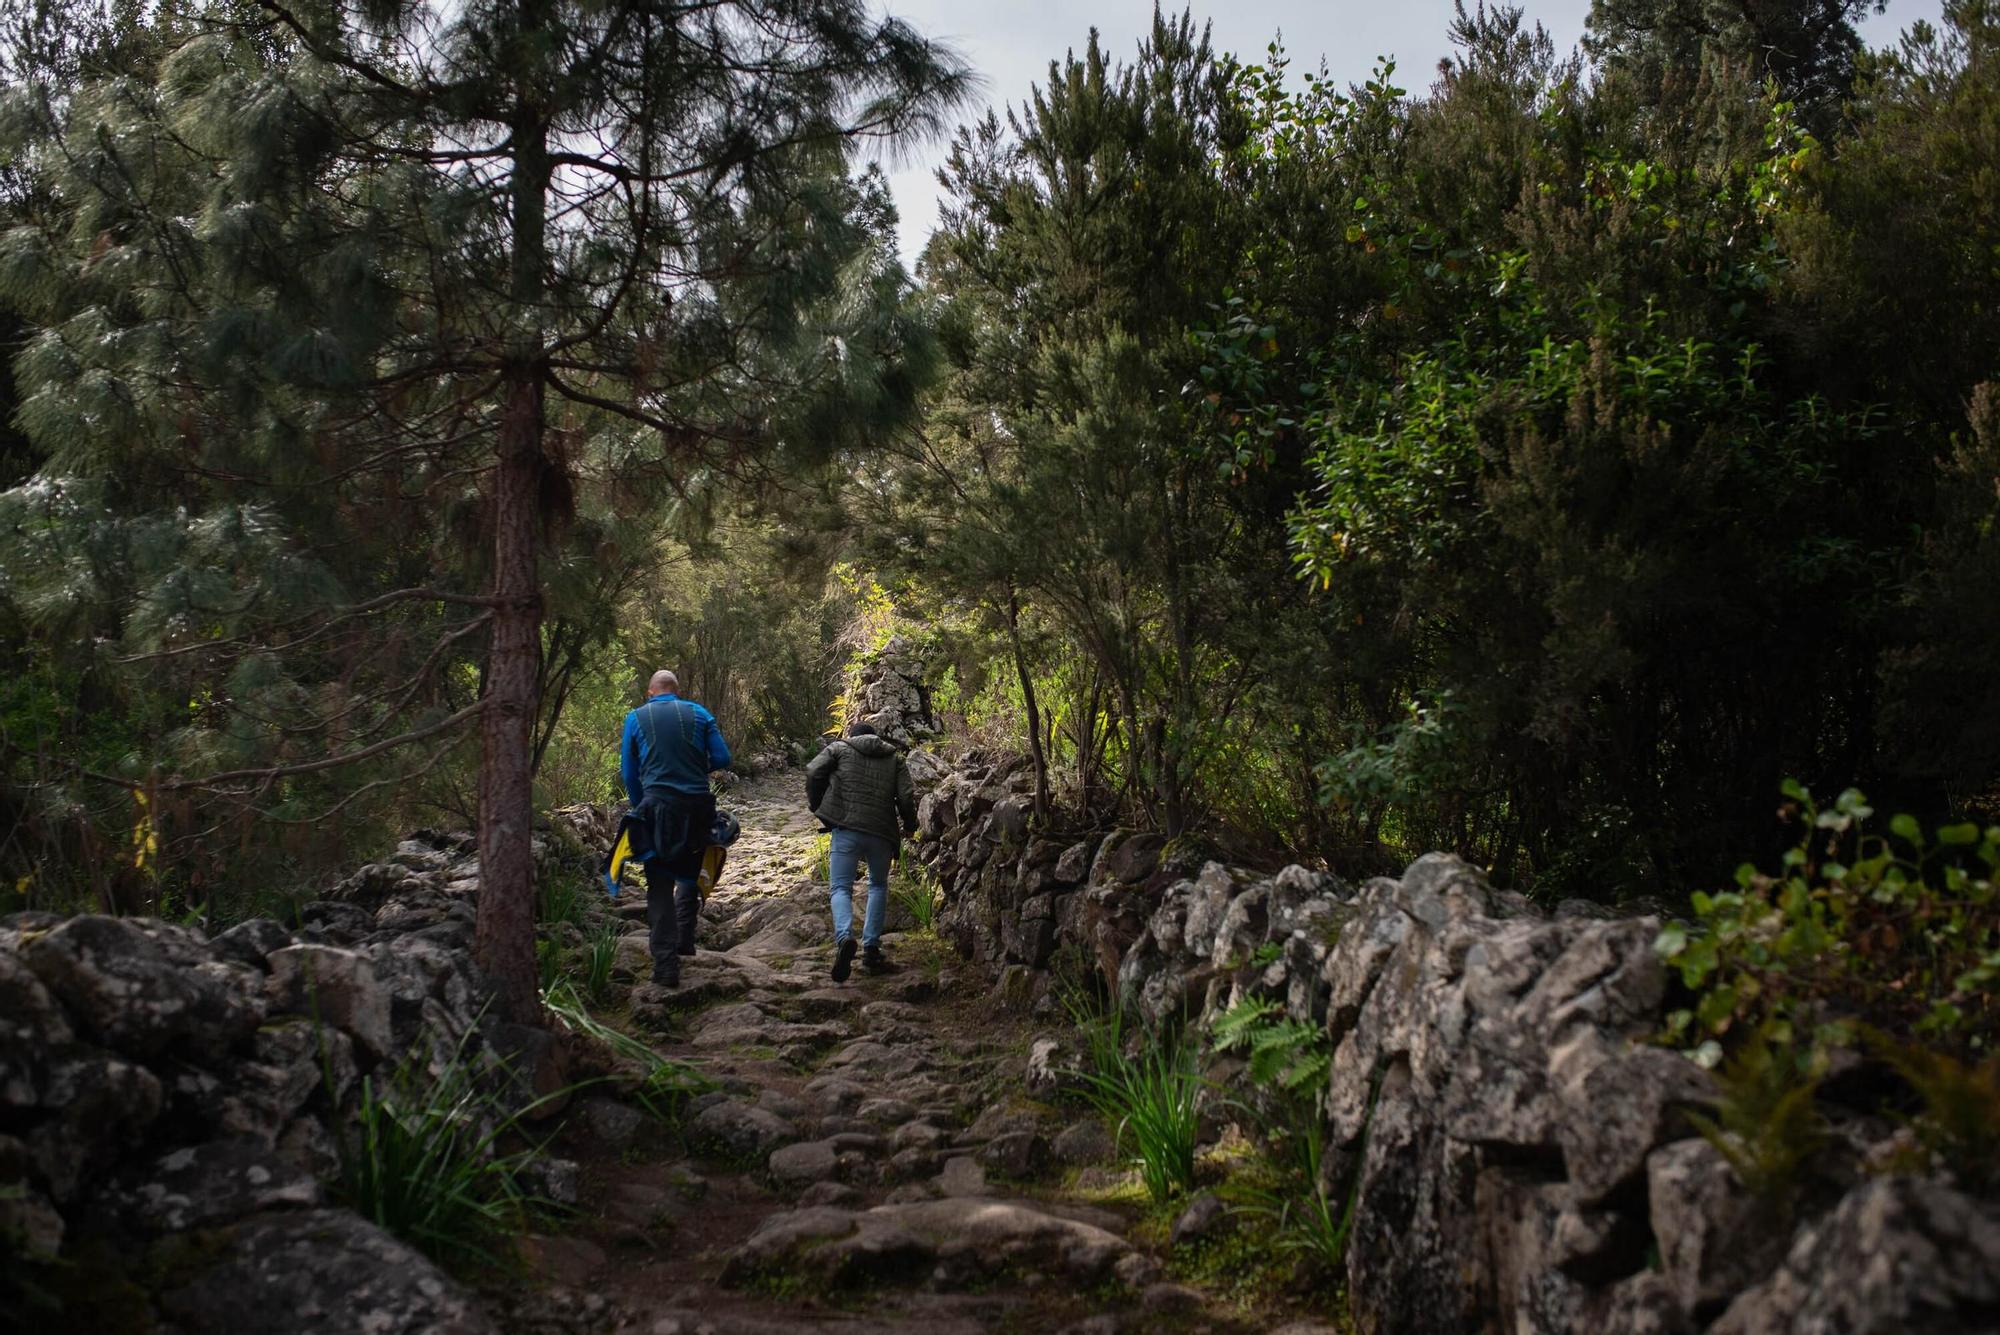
x,y
861,783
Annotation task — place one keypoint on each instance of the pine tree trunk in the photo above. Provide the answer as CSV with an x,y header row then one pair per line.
x,y
1033,706
505,939
506,931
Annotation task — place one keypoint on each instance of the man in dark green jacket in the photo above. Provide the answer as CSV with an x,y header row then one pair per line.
x,y
860,789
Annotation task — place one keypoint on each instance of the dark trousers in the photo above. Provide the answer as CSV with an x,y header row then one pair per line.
x,y
670,912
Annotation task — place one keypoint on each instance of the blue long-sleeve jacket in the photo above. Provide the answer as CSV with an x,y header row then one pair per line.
x,y
670,743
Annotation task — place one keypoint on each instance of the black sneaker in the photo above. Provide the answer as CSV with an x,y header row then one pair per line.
x,y
874,961
667,975
843,960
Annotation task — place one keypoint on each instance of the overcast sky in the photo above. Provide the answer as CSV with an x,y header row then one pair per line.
x,y
1010,44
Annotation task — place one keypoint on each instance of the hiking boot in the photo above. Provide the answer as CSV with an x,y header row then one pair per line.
x,y
843,960
874,961
667,973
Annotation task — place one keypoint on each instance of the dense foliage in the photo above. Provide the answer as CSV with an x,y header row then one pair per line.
x,y
1540,468
1543,464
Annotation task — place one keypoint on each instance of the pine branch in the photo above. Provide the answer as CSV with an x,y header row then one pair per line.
x,y
273,772
333,615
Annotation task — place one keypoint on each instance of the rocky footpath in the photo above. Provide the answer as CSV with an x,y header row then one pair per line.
x,y
872,1156
1517,1148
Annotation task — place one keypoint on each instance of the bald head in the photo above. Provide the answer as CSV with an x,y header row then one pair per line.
x,y
664,682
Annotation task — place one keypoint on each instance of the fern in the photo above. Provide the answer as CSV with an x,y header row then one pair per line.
x,y
1236,1026
1766,1124
1960,1123
1285,1054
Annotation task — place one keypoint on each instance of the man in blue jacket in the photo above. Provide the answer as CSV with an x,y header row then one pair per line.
x,y
669,747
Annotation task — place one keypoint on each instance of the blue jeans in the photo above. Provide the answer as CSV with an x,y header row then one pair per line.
x,y
849,847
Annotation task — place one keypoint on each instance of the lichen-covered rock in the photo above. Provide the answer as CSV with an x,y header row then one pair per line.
x,y
1897,1254
32,1029
144,989
1127,857
320,1272
339,987
200,1185
100,1107
250,943
1619,1101
1715,1239
807,1162
1052,1065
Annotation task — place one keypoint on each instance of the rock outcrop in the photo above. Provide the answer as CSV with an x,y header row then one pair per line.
x,y
890,692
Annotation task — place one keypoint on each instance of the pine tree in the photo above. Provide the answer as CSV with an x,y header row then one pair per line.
x,y
392,240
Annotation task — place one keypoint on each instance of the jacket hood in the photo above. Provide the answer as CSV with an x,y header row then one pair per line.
x,y
874,747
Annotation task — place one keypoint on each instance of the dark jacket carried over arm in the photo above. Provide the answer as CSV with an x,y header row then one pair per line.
x,y
862,783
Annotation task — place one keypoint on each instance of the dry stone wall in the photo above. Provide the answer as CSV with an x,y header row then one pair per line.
x,y
1518,1148
178,1100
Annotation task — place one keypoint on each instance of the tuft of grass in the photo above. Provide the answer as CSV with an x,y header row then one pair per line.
x,y
1289,1061
664,1087
600,952
561,899
421,1160
549,961
820,864
1151,1098
916,888
1312,1224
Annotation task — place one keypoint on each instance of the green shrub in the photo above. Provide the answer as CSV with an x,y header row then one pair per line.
x,y
1959,1125
561,899
1896,931
1766,1123
1289,1055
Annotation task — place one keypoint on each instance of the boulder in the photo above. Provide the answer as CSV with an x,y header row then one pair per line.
x,y
1087,1142
1052,1066
319,1272
609,1123
1016,1154
952,1243
1618,1103
102,1106
1127,857
740,1131
250,943
1715,1239
807,1162
32,1029
1200,1218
